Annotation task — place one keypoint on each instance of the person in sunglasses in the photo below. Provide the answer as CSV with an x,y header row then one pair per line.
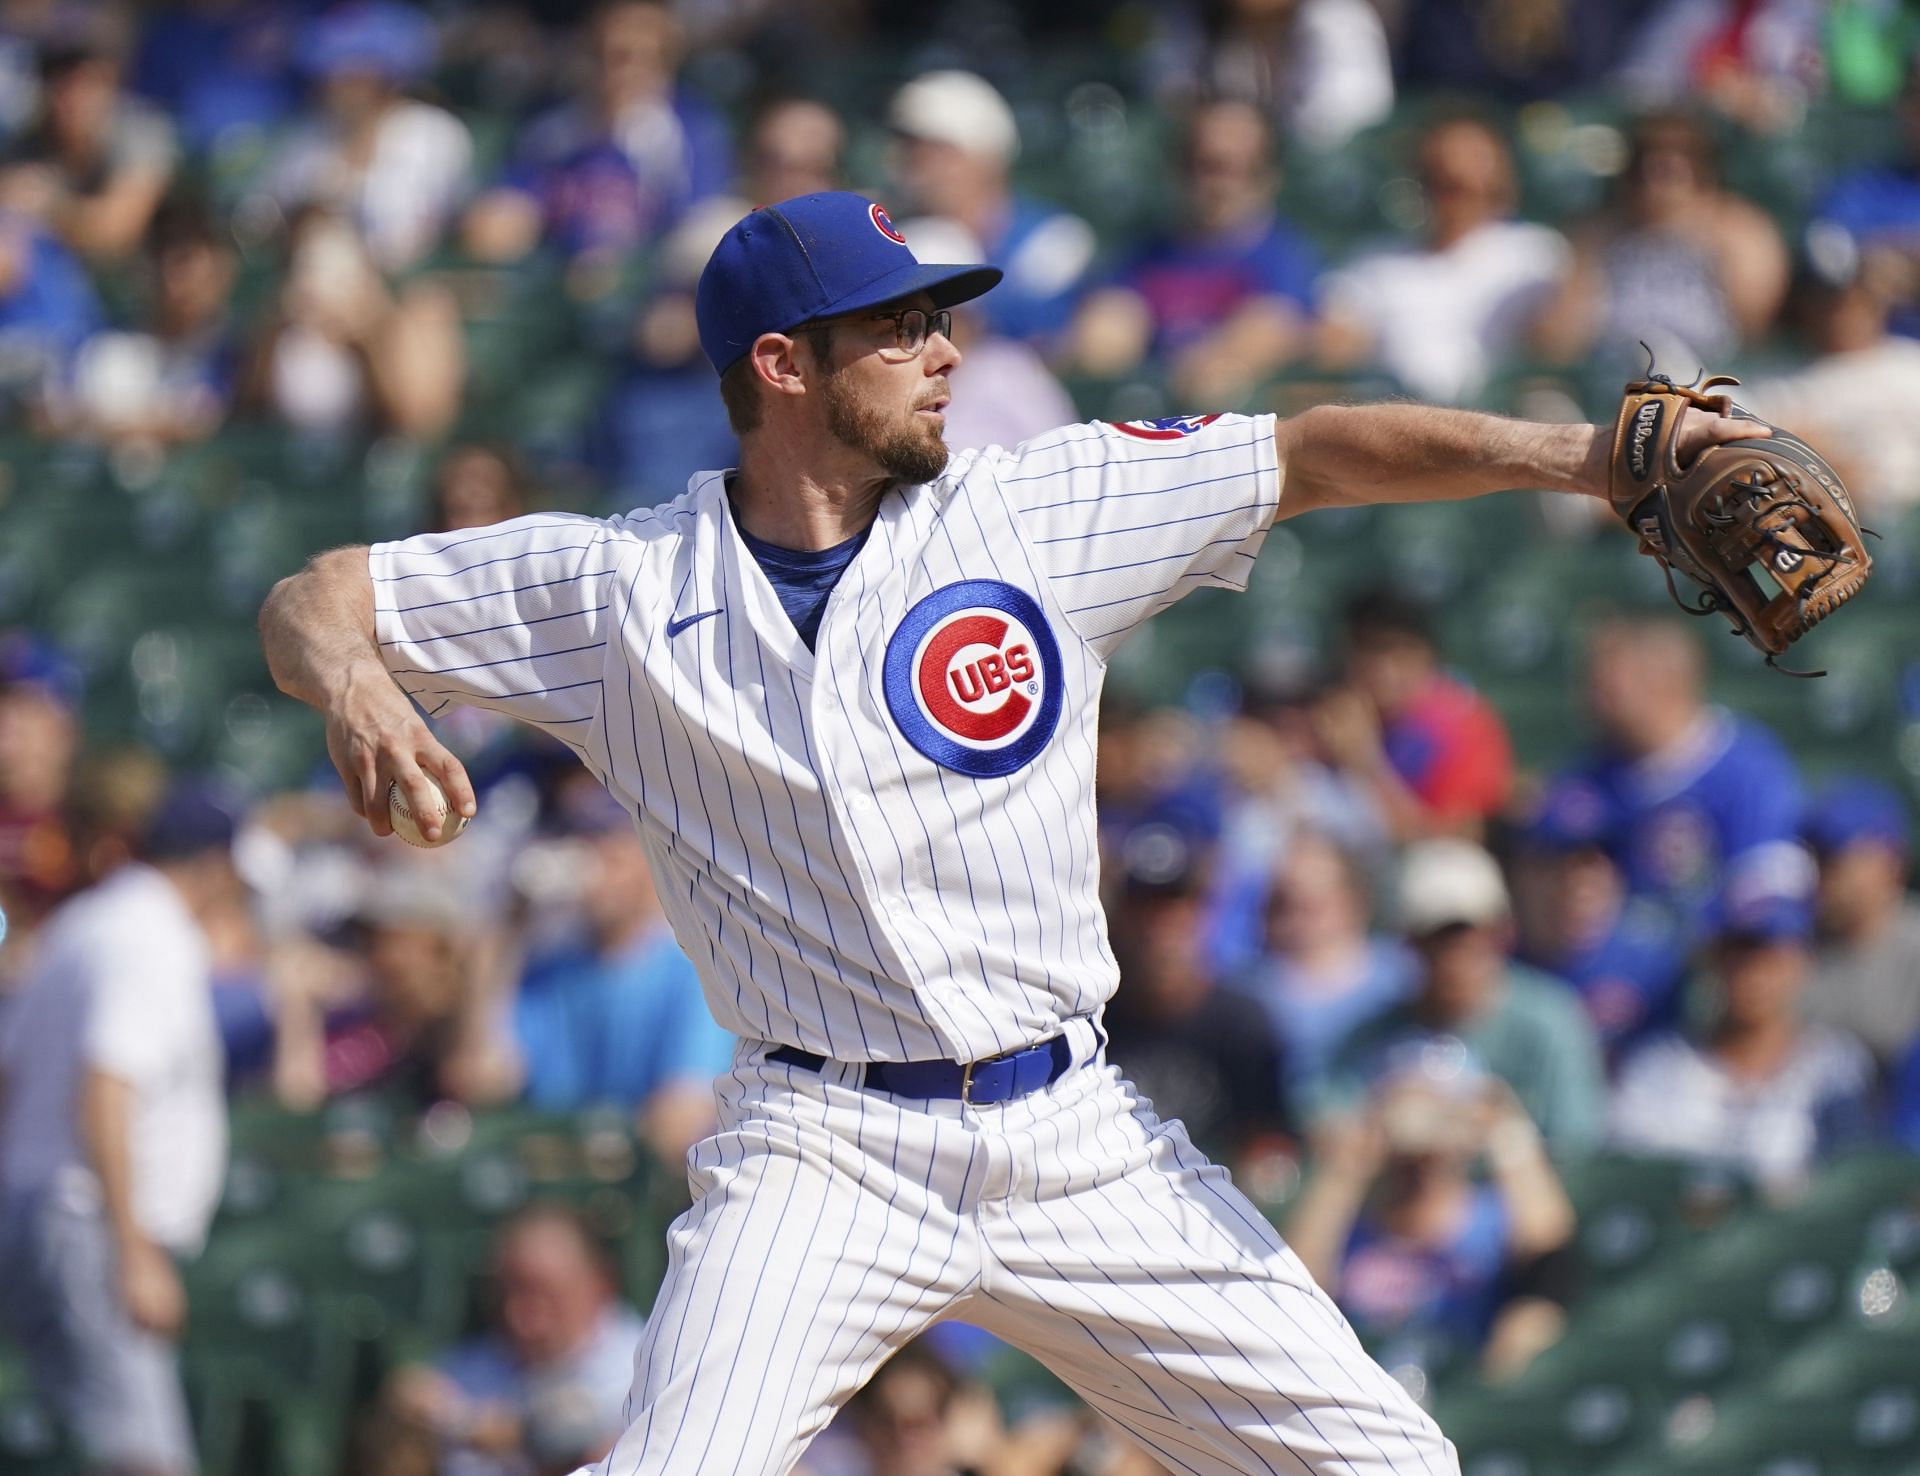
x,y
848,692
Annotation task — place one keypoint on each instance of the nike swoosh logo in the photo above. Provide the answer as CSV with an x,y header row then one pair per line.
x,y
674,627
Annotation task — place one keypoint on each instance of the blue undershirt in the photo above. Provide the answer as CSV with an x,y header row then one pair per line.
x,y
803,578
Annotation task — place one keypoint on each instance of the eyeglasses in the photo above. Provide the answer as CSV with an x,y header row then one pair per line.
x,y
912,327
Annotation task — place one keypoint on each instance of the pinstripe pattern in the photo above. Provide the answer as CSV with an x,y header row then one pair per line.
x,y
838,890
832,1225
842,892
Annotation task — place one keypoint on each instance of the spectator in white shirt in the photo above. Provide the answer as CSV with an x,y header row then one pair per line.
x,y
1859,397
1757,1088
1441,314
113,1139
398,167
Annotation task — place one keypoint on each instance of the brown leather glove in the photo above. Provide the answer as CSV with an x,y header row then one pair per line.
x,y
1736,509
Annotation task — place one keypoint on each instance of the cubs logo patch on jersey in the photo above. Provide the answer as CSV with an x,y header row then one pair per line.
x,y
973,678
1167,428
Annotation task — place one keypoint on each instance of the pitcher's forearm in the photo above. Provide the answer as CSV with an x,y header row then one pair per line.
x,y
317,628
1348,455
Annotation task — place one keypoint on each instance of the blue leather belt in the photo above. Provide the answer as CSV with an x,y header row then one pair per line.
x,y
978,1083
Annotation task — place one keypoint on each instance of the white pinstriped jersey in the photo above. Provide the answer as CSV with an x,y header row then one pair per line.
x,y
883,848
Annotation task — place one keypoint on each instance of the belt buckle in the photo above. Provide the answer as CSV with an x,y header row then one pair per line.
x,y
966,1084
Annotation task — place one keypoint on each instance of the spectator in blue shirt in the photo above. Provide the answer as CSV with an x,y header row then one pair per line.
x,y
47,306
612,1012
662,419
1620,954
1325,975
223,72
1872,214
1225,298
1703,806
1905,1106
957,141
614,169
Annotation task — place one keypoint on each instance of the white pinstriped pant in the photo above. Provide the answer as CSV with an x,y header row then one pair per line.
x,y
831,1225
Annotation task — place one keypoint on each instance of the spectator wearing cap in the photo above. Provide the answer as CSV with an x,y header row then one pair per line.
x,y
1432,752
957,141
1620,954
542,1390
1201,1052
396,167
1866,976
1441,314
1323,975
1512,1022
1756,1087
426,1020
614,169
611,1010
103,158
1433,1263
1859,395
1699,804
39,737
1226,299
113,1138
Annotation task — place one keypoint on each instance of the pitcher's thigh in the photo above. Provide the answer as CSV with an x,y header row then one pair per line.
x,y
790,1280
1170,1304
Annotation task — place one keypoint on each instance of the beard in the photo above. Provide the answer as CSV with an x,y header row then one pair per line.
x,y
910,454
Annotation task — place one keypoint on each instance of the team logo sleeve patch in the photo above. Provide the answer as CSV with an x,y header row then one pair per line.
x,y
1167,428
973,678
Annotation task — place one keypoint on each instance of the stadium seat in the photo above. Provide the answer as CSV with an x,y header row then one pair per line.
x,y
1560,1432
1633,1209
31,1440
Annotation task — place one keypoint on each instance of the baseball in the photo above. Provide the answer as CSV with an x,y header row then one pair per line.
x,y
407,826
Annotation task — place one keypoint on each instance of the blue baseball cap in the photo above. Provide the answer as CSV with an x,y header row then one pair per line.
x,y
1849,811
1572,816
1767,918
391,40
194,817
814,256
29,660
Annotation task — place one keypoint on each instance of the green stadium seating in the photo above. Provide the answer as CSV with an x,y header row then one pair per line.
x,y
1565,1431
1633,1210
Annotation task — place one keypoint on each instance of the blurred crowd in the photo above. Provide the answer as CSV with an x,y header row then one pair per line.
x,y
1397,983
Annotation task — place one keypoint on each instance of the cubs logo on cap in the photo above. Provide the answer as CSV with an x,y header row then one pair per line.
x,y
1167,428
973,678
883,223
